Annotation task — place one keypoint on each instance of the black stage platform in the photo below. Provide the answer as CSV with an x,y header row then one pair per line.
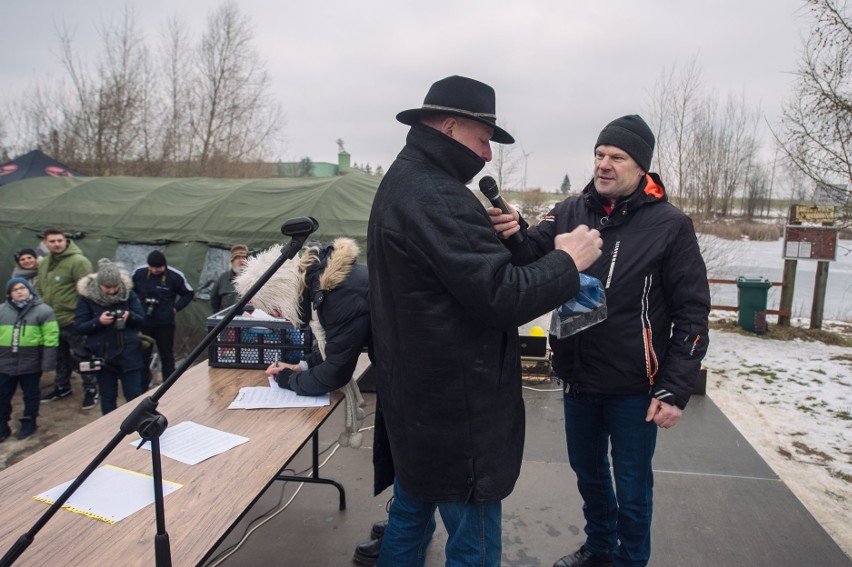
x,y
717,503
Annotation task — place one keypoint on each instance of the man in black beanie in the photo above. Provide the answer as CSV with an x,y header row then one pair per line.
x,y
163,291
633,372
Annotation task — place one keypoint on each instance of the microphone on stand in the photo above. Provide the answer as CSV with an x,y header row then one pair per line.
x,y
489,188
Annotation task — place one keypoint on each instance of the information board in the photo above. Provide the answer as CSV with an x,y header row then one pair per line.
x,y
810,243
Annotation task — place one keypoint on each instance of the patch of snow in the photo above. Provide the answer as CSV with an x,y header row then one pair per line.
x,y
792,400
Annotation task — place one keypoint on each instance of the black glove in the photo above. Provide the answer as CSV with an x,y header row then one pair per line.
x,y
283,378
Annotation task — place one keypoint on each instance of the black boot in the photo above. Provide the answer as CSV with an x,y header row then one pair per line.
x,y
378,529
585,558
367,553
28,427
4,431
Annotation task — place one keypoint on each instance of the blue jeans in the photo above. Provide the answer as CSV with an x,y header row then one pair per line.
x,y
30,389
618,520
131,385
473,532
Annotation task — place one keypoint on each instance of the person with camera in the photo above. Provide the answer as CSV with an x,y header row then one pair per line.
x,y
163,291
110,314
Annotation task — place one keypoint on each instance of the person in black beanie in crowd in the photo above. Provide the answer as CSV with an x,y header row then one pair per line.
x,y
163,291
658,302
109,314
26,265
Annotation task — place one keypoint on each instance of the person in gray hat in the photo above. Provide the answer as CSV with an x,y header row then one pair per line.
x,y
446,302
109,314
658,302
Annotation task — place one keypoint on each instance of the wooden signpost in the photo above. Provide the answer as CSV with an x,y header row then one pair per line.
x,y
809,235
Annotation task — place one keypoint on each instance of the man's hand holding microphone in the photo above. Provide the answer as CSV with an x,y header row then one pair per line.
x,y
583,244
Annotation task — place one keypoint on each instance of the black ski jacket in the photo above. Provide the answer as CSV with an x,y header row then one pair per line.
x,y
657,295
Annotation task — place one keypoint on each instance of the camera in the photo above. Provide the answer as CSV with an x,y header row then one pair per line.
x,y
118,318
91,365
150,304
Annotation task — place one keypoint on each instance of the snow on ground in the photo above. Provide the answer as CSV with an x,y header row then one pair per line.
x,y
792,400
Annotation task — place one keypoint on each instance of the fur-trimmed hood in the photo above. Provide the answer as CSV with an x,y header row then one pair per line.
x,y
87,286
285,291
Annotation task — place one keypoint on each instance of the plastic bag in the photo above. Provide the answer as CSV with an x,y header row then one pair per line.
x,y
585,309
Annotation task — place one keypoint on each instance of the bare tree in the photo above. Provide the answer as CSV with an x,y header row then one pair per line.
x,y
233,116
202,108
505,166
816,128
173,124
704,151
737,147
108,120
675,103
757,190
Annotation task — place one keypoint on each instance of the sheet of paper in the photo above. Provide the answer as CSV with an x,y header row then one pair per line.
x,y
259,397
191,443
110,494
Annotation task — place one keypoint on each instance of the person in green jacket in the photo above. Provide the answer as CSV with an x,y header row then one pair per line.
x,y
58,274
29,337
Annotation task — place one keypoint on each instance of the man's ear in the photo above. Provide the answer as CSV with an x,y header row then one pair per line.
x,y
448,124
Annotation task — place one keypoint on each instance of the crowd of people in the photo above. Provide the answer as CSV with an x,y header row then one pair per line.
x,y
60,315
443,271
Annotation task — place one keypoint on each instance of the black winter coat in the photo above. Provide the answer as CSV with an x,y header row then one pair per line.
x,y
122,349
446,305
657,296
344,313
171,291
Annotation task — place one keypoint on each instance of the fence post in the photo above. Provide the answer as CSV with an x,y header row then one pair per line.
x,y
786,303
820,283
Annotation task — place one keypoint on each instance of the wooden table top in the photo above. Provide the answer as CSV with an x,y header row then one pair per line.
x,y
214,493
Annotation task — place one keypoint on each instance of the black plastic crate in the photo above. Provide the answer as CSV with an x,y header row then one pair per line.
x,y
248,342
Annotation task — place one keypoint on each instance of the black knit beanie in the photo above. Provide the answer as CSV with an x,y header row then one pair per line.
x,y
24,252
631,134
156,259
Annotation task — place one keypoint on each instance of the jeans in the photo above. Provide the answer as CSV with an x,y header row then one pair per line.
x,y
131,386
618,520
473,532
165,339
30,388
68,340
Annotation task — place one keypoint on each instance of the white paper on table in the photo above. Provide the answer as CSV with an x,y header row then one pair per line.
x,y
109,494
191,443
259,397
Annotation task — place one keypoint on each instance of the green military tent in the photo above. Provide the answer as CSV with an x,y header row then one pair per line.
x,y
194,221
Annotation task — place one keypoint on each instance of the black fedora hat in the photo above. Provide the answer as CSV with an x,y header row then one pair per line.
x,y
464,97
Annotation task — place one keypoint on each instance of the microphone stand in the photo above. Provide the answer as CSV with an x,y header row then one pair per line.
x,y
145,420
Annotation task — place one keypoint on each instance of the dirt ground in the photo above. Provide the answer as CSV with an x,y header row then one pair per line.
x,y
56,420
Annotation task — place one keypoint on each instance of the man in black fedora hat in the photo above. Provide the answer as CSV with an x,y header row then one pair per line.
x,y
446,303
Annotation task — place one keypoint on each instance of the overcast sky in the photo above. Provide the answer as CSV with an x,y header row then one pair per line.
x,y
561,69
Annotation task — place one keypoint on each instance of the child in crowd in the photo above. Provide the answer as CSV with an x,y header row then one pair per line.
x,y
29,337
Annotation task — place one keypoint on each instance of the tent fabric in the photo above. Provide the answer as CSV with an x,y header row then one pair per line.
x,y
186,218
214,211
34,164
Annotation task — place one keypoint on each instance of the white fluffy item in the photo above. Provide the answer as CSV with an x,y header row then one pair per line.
x,y
283,293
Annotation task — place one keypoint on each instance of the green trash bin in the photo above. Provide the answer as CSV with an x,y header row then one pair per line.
x,y
752,296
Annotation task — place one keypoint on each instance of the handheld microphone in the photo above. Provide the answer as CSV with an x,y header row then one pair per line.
x,y
489,188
